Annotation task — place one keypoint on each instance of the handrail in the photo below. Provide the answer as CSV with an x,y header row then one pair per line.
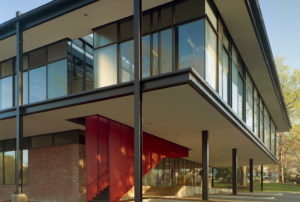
x,y
96,179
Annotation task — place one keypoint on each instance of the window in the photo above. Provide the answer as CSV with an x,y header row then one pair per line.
x,y
105,35
166,51
273,137
7,68
146,56
249,102
37,84
165,17
37,58
9,167
256,113
237,90
267,128
261,118
25,87
6,94
25,167
57,79
224,76
126,61
211,15
57,51
76,68
126,30
187,10
105,66
191,46
155,54
210,56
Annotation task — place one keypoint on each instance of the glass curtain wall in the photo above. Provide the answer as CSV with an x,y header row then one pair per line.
x,y
174,172
6,84
249,102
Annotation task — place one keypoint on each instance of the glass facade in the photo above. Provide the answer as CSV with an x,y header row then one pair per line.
x,y
174,172
175,36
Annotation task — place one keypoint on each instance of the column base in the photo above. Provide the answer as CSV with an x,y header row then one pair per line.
x,y
18,198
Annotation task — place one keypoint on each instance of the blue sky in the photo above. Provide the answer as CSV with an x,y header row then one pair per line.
x,y
282,20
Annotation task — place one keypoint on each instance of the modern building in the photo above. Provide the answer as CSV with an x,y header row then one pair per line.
x,y
83,126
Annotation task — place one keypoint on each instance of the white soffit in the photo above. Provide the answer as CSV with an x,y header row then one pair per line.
x,y
237,19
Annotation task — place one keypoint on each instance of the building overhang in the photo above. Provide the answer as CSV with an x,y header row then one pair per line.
x,y
244,21
176,107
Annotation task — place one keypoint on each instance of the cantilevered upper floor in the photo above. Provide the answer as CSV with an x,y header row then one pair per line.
x,y
74,48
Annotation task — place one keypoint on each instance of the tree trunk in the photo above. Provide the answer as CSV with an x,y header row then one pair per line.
x,y
243,176
281,157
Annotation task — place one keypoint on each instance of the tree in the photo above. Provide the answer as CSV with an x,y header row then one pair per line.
x,y
290,85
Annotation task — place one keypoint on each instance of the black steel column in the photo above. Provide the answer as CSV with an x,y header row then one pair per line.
x,y
251,174
205,164
138,130
19,102
234,171
262,178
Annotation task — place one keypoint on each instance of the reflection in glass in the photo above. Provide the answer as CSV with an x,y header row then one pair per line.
x,y
57,51
237,91
6,87
225,76
256,113
126,61
105,66
249,102
210,56
273,137
267,128
191,46
105,35
57,79
9,167
37,84
146,56
25,166
155,54
25,87
261,118
166,51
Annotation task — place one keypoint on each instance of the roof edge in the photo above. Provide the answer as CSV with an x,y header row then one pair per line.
x,y
261,33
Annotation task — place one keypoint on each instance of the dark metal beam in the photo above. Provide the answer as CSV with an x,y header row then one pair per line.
x,y
234,171
262,177
19,103
213,177
138,128
205,164
251,174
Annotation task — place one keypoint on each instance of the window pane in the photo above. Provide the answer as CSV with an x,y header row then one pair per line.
x,y
267,128
261,118
273,137
225,42
57,79
9,167
249,102
126,61
25,62
105,35
37,84
191,46
25,87
89,77
41,141
240,95
105,66
6,87
234,88
210,56
188,10
7,68
25,166
256,114
57,51
155,54
126,30
211,15
165,17
146,24
154,21
1,168
146,56
76,68
225,76
37,58
166,51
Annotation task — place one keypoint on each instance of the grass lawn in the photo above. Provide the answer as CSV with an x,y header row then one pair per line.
x,y
270,187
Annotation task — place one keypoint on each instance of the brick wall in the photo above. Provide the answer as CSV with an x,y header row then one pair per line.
x,y
56,174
